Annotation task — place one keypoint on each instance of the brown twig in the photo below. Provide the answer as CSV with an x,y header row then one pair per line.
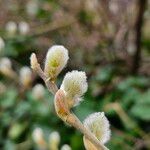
x,y
36,67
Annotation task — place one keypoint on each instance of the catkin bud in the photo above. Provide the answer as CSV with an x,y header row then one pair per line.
x,y
11,28
56,60
38,91
98,124
25,76
5,66
54,140
23,28
65,147
5,63
38,138
74,85
2,44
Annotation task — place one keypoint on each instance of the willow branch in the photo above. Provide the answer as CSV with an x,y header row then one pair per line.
x,y
45,29
62,111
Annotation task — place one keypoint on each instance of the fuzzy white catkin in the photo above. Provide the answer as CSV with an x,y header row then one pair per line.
x,y
32,7
65,147
25,76
56,60
113,6
98,124
37,135
5,63
23,27
2,44
54,138
11,28
6,68
74,85
38,91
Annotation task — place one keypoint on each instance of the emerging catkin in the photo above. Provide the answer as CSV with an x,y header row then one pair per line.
x,y
54,140
98,124
11,28
25,76
56,60
5,66
38,138
23,28
74,86
65,147
38,91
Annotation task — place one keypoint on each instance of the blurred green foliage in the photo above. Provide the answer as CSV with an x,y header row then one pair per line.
x,y
124,97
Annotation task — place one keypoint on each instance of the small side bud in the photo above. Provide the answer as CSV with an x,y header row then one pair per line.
x,y
98,124
25,76
33,61
56,60
54,140
60,105
38,91
74,85
65,147
38,138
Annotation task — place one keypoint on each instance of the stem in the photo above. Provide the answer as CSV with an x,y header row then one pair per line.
x,y
88,145
45,29
75,122
138,26
37,68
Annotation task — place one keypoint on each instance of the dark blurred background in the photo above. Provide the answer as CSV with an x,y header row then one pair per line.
x,y
108,39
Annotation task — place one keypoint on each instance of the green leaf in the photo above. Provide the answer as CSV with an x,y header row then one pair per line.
x,y
16,130
9,145
22,108
76,142
9,99
105,74
6,119
133,82
141,111
130,96
145,98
